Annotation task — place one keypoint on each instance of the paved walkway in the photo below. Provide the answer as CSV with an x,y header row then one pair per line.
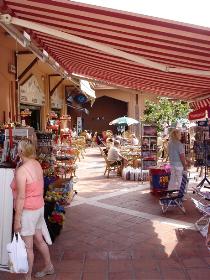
x,y
115,230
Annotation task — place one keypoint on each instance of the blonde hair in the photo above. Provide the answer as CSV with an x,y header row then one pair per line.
x,y
174,135
27,148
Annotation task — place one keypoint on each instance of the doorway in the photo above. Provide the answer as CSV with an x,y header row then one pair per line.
x,y
34,119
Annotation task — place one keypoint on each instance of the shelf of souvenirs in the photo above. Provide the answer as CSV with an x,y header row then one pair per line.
x,y
58,194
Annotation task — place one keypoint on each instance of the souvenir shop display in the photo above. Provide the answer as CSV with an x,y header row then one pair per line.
x,y
65,163
45,152
58,194
53,122
11,138
201,146
148,146
57,159
202,151
185,139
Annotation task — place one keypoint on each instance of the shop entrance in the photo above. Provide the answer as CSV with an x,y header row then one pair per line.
x,y
34,118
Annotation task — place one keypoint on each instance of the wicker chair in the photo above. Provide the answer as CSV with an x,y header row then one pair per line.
x,y
109,166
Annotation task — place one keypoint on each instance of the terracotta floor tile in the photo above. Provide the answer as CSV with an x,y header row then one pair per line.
x,y
73,255
169,264
9,276
97,255
69,266
119,266
95,238
199,273
94,276
194,262
145,264
207,259
68,276
119,255
141,250
185,252
174,274
148,275
120,276
96,266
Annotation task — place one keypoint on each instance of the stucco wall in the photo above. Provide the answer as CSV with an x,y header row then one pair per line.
x,y
130,97
7,80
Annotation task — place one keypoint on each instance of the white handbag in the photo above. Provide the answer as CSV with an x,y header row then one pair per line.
x,y
18,261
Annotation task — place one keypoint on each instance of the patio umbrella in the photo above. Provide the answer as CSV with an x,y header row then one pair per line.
x,y
124,121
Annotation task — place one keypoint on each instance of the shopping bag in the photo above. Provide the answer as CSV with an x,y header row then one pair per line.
x,y
18,261
46,234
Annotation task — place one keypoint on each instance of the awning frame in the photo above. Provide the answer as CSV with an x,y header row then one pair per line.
x,y
9,20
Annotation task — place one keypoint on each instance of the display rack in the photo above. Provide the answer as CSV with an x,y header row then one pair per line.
x,y
45,152
57,162
185,139
148,146
65,160
202,152
12,137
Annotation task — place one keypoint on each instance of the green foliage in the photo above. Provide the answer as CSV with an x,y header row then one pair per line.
x,y
165,111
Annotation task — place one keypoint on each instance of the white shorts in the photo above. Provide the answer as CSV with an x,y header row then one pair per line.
x,y
31,220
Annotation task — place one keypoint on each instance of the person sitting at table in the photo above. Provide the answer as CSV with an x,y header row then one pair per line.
x,y
134,140
115,157
109,144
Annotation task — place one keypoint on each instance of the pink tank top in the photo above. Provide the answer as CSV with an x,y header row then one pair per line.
x,y
33,195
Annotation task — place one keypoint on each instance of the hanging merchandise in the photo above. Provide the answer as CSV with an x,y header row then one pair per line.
x,y
149,146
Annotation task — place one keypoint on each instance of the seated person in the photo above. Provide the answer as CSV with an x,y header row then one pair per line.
x,y
74,132
109,144
88,138
134,140
114,156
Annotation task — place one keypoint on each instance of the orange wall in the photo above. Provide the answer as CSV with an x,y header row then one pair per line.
x,y
10,99
7,80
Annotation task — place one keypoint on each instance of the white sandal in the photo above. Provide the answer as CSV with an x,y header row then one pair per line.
x,y
45,272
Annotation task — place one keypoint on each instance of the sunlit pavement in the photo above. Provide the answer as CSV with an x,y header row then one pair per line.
x,y
115,229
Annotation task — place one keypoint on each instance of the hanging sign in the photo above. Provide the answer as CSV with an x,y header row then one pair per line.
x,y
198,114
80,98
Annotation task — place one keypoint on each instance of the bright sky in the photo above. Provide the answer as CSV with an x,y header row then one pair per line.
x,y
188,11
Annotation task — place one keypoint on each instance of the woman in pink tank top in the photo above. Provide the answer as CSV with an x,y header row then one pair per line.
x,y
29,220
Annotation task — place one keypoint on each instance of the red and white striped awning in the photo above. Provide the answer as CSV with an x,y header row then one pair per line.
x,y
200,104
183,49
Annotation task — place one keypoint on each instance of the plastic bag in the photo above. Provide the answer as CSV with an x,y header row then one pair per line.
x,y
18,261
46,234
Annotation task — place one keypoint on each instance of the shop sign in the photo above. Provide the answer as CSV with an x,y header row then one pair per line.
x,y
198,114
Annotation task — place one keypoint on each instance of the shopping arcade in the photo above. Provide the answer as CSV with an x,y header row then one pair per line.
x,y
176,59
